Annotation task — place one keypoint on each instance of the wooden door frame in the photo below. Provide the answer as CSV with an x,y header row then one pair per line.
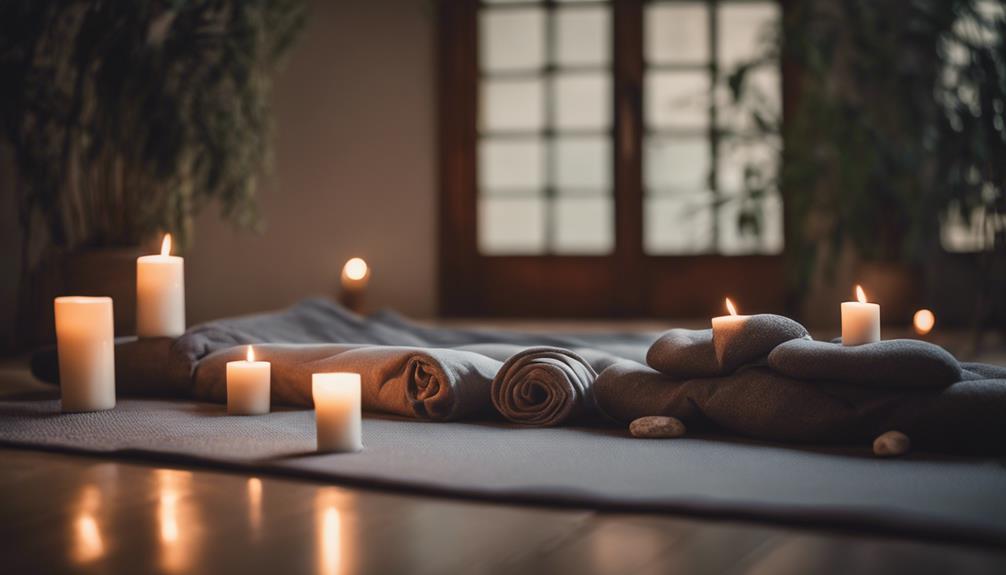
x,y
626,283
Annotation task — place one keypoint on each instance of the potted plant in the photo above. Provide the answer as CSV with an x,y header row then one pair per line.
x,y
123,120
895,124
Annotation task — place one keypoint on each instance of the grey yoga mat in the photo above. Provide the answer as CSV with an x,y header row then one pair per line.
x,y
946,498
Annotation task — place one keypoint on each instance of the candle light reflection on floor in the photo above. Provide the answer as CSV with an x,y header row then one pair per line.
x,y
88,544
334,510
255,505
178,523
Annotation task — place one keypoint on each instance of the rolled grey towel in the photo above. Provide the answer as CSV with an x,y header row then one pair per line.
x,y
889,363
544,386
687,353
966,417
684,353
751,340
424,383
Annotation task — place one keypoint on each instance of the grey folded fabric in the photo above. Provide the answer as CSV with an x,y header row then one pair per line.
x,y
752,339
889,363
697,353
424,383
965,417
544,386
684,353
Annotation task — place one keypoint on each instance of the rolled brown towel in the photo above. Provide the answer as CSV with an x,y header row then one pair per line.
x,y
424,383
544,386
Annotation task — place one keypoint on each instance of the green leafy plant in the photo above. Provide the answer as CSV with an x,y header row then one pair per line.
x,y
898,122
126,118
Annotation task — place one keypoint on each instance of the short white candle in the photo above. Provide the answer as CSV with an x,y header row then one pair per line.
x,y
337,411
248,386
86,348
860,320
160,293
728,323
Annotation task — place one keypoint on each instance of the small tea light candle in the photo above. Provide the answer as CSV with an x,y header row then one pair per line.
x,y
860,320
160,293
923,321
337,411
248,386
86,349
728,323
354,279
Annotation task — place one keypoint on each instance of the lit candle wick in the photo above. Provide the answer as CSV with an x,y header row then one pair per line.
x,y
860,294
730,307
166,245
250,356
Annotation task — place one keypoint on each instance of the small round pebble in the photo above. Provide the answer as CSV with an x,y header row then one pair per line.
x,y
657,426
891,444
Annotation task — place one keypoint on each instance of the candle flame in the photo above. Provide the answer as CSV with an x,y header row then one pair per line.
x,y
860,294
730,307
250,356
355,269
166,245
924,320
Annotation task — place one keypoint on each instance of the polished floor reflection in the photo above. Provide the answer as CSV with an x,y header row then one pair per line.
x,y
63,513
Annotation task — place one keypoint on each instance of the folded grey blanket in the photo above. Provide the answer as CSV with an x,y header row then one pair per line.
x,y
966,417
423,383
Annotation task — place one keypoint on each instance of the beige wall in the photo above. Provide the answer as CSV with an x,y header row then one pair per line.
x,y
354,174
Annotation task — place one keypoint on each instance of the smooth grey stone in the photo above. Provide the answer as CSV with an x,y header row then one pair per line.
x,y
657,426
753,339
684,353
889,363
891,444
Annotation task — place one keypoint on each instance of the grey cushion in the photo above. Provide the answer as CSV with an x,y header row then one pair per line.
x,y
890,363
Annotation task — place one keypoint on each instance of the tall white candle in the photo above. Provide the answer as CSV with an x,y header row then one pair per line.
x,y
248,386
86,349
860,320
160,293
337,411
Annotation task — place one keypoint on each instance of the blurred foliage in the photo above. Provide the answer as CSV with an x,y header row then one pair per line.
x,y
899,119
126,118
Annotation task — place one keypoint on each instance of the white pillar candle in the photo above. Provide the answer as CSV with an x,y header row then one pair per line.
x,y
337,411
160,293
86,349
860,320
248,386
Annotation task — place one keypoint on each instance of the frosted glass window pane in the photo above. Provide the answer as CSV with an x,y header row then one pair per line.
x,y
736,156
762,93
512,39
582,163
506,165
513,104
511,225
583,36
734,241
678,225
677,33
676,164
677,100
583,101
584,226
743,27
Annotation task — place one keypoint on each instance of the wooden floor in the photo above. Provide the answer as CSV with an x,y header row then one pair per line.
x,y
74,513
70,513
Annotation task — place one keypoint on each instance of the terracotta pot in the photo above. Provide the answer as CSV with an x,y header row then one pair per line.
x,y
95,272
